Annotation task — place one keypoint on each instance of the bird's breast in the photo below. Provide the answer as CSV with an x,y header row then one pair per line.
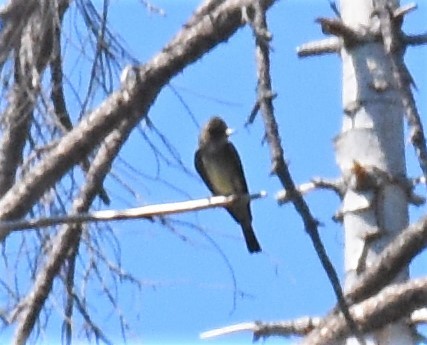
x,y
220,174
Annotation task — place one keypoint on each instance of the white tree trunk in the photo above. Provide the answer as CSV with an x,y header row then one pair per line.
x,y
372,136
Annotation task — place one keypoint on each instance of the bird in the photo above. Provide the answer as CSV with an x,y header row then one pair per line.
x,y
218,163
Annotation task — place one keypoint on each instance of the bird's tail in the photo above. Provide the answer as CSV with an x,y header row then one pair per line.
x,y
250,238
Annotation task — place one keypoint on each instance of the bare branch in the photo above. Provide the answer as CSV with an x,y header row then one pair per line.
x,y
336,185
415,40
398,254
389,305
298,327
319,47
336,27
419,316
147,212
279,166
394,257
404,10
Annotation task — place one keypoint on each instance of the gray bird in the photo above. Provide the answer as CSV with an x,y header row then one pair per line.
x,y
218,163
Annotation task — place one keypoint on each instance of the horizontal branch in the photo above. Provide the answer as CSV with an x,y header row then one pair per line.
x,y
415,40
336,185
298,327
419,316
131,213
324,46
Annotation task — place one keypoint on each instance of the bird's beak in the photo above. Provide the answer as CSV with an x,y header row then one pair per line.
x,y
229,131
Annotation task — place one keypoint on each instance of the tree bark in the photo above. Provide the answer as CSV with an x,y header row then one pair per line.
x,y
370,154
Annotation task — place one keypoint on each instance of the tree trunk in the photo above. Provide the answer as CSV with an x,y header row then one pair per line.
x,y
370,153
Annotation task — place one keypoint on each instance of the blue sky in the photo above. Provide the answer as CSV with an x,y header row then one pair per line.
x,y
190,285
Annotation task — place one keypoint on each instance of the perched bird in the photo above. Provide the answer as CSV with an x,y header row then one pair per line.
x,y
218,163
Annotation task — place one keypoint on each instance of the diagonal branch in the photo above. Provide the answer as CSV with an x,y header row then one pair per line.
x,y
32,53
280,168
397,255
66,243
389,305
394,257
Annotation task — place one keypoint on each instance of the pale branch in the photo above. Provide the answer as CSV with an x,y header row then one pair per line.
x,y
419,316
404,10
390,305
335,185
297,327
319,47
147,212
132,101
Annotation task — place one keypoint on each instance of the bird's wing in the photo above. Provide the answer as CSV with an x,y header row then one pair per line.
x,y
198,163
235,162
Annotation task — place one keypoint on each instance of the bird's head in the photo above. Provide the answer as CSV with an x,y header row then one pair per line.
x,y
216,129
